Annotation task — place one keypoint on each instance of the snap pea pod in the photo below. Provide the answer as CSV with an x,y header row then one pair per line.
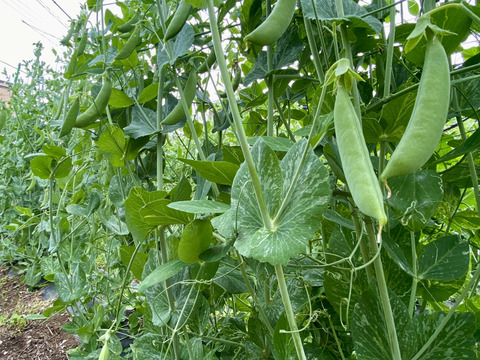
x,y
178,112
70,118
357,167
430,111
66,39
130,45
82,43
179,19
275,24
208,63
93,112
130,24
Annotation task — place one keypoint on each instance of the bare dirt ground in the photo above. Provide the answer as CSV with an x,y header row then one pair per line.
x,y
29,339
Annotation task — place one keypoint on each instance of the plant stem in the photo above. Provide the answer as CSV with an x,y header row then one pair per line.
x,y
313,49
413,291
237,119
282,285
463,134
348,55
383,292
254,296
388,65
270,79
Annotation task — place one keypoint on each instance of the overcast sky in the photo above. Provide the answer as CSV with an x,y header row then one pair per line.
x,y
25,22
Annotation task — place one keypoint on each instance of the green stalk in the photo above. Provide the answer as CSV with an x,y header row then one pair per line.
x,y
282,285
254,296
413,291
388,65
160,137
270,79
348,55
160,235
237,118
463,134
313,49
384,298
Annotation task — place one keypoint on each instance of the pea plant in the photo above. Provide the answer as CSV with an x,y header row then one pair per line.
x,y
254,180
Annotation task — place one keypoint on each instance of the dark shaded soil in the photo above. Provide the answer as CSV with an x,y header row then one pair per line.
x,y
29,339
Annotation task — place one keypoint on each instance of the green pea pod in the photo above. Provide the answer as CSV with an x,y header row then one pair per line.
x,y
355,158
66,40
130,24
105,352
72,65
208,63
178,112
130,45
93,112
70,118
83,43
179,19
275,24
430,111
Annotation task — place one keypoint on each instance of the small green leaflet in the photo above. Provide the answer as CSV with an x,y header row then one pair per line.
x,y
220,172
200,206
306,182
126,253
113,144
119,99
196,238
149,93
161,273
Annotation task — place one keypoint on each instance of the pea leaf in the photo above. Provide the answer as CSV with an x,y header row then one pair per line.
x,y
112,142
220,172
71,286
456,338
200,206
305,182
369,327
354,13
371,340
446,258
157,213
161,273
136,200
196,238
144,123
149,93
126,253
119,99
415,197
275,143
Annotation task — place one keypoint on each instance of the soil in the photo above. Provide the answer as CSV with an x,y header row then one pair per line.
x,y
29,339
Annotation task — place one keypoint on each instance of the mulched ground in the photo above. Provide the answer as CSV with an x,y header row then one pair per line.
x,y
22,339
